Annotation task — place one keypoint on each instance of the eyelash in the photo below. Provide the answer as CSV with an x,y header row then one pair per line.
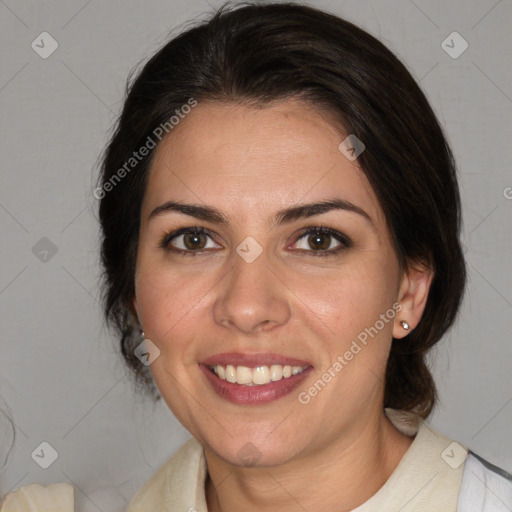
x,y
320,230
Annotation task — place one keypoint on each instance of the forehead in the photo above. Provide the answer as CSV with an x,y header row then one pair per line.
x,y
253,161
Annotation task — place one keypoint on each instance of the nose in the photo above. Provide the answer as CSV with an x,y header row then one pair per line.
x,y
252,298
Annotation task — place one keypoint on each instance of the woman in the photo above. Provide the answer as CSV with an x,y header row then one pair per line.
x,y
291,250
280,217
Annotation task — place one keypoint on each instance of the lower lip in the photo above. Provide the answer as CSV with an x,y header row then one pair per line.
x,y
254,395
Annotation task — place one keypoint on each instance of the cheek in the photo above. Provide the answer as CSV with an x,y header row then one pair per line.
x,y
349,298
344,308
168,302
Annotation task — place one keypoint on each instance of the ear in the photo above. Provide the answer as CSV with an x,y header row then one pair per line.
x,y
413,295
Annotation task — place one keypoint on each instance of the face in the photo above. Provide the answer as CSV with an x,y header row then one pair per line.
x,y
253,282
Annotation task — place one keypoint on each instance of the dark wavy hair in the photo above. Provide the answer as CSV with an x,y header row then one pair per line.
x,y
262,53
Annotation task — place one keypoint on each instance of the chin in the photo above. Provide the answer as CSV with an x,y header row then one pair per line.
x,y
254,452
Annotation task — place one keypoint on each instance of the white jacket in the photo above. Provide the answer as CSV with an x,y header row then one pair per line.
x,y
484,487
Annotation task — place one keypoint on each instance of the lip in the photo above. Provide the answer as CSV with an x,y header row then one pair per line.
x,y
252,360
254,395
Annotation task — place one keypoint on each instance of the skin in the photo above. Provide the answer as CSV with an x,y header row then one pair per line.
x,y
335,452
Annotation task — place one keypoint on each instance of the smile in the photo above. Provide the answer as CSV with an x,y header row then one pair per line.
x,y
252,393
258,376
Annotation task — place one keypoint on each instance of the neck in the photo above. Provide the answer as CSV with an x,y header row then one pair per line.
x,y
340,476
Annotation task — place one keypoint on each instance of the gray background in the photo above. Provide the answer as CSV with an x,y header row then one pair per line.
x,y
60,374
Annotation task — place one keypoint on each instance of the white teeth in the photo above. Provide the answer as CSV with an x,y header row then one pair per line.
x,y
243,375
255,376
230,373
261,375
276,372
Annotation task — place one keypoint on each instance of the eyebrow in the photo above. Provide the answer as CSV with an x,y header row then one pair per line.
x,y
303,211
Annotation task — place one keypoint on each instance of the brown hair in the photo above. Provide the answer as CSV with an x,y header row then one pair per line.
x,y
262,53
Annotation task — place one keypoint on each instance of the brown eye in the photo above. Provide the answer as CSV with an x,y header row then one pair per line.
x,y
188,241
194,240
322,242
319,241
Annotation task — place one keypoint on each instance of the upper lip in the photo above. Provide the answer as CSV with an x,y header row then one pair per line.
x,y
252,360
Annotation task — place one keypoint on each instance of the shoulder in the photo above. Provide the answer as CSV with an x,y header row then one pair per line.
x,y
179,474
484,487
37,497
